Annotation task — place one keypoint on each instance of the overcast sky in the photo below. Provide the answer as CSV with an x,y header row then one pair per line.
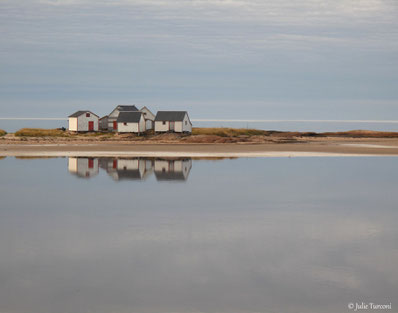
x,y
313,59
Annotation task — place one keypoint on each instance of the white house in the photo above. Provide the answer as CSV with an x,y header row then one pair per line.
x,y
172,169
173,121
112,117
83,121
131,122
149,118
83,167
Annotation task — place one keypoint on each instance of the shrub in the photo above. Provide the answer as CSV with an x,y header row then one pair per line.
x,y
2,132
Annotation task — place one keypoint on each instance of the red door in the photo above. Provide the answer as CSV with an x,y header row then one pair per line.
x,y
115,125
90,126
90,163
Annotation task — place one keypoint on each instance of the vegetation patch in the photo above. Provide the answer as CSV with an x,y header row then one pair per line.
x,y
229,132
2,133
40,132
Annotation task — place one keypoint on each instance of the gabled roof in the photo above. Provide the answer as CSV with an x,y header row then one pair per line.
x,y
78,113
170,115
127,108
129,117
106,116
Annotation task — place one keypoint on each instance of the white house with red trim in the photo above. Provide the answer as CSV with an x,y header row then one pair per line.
x,y
113,116
173,121
83,121
83,167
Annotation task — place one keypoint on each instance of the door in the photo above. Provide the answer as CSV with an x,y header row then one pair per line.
x,y
90,126
114,125
171,126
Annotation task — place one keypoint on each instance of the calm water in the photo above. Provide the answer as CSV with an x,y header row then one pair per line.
x,y
240,235
14,125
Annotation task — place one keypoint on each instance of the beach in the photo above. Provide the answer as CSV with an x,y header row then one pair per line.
x,y
308,147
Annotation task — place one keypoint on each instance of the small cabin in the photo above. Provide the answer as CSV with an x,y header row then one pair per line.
x,y
149,118
173,121
131,122
103,123
83,121
112,117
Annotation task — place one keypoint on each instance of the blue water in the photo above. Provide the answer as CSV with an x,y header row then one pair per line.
x,y
241,235
14,125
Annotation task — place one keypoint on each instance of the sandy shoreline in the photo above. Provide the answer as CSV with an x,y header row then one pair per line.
x,y
315,148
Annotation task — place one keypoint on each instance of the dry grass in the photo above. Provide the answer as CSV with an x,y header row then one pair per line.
x,y
228,132
2,133
39,132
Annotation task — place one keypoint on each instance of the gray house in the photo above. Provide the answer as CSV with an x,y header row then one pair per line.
x,y
173,121
112,117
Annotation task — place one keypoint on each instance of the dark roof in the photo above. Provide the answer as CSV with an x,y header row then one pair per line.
x,y
129,117
129,174
78,113
170,115
127,108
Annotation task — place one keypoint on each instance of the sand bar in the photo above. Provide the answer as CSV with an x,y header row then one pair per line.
x,y
317,148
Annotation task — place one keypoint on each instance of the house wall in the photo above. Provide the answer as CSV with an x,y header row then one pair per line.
x,y
186,124
112,118
82,122
159,127
103,123
178,127
148,124
73,124
132,127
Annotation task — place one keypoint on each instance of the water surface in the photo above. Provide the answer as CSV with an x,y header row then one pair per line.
x,y
182,235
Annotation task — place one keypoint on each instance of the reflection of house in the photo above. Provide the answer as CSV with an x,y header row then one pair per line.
x,y
83,167
83,121
131,122
128,169
112,117
172,169
149,118
173,121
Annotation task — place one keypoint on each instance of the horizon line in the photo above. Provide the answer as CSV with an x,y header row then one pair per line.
x,y
231,120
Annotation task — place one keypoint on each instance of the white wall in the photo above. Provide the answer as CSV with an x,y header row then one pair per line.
x,y
132,127
186,124
73,124
159,127
82,122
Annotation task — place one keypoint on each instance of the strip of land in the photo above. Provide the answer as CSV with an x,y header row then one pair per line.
x,y
210,143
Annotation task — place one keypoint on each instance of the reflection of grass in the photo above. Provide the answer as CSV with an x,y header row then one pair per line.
x,y
228,132
35,157
2,157
2,132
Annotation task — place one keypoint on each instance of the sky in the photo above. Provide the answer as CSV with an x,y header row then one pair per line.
x,y
268,59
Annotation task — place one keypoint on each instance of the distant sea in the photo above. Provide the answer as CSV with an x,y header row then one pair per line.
x,y
12,125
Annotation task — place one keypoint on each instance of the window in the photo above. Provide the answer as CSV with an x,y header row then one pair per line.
x,y
125,124
186,122
87,114
164,122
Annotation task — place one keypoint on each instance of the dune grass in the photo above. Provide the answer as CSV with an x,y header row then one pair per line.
x,y
229,132
2,133
40,132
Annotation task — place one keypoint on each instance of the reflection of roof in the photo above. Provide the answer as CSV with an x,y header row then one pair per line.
x,y
78,113
160,175
129,174
170,115
129,117
127,108
106,116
